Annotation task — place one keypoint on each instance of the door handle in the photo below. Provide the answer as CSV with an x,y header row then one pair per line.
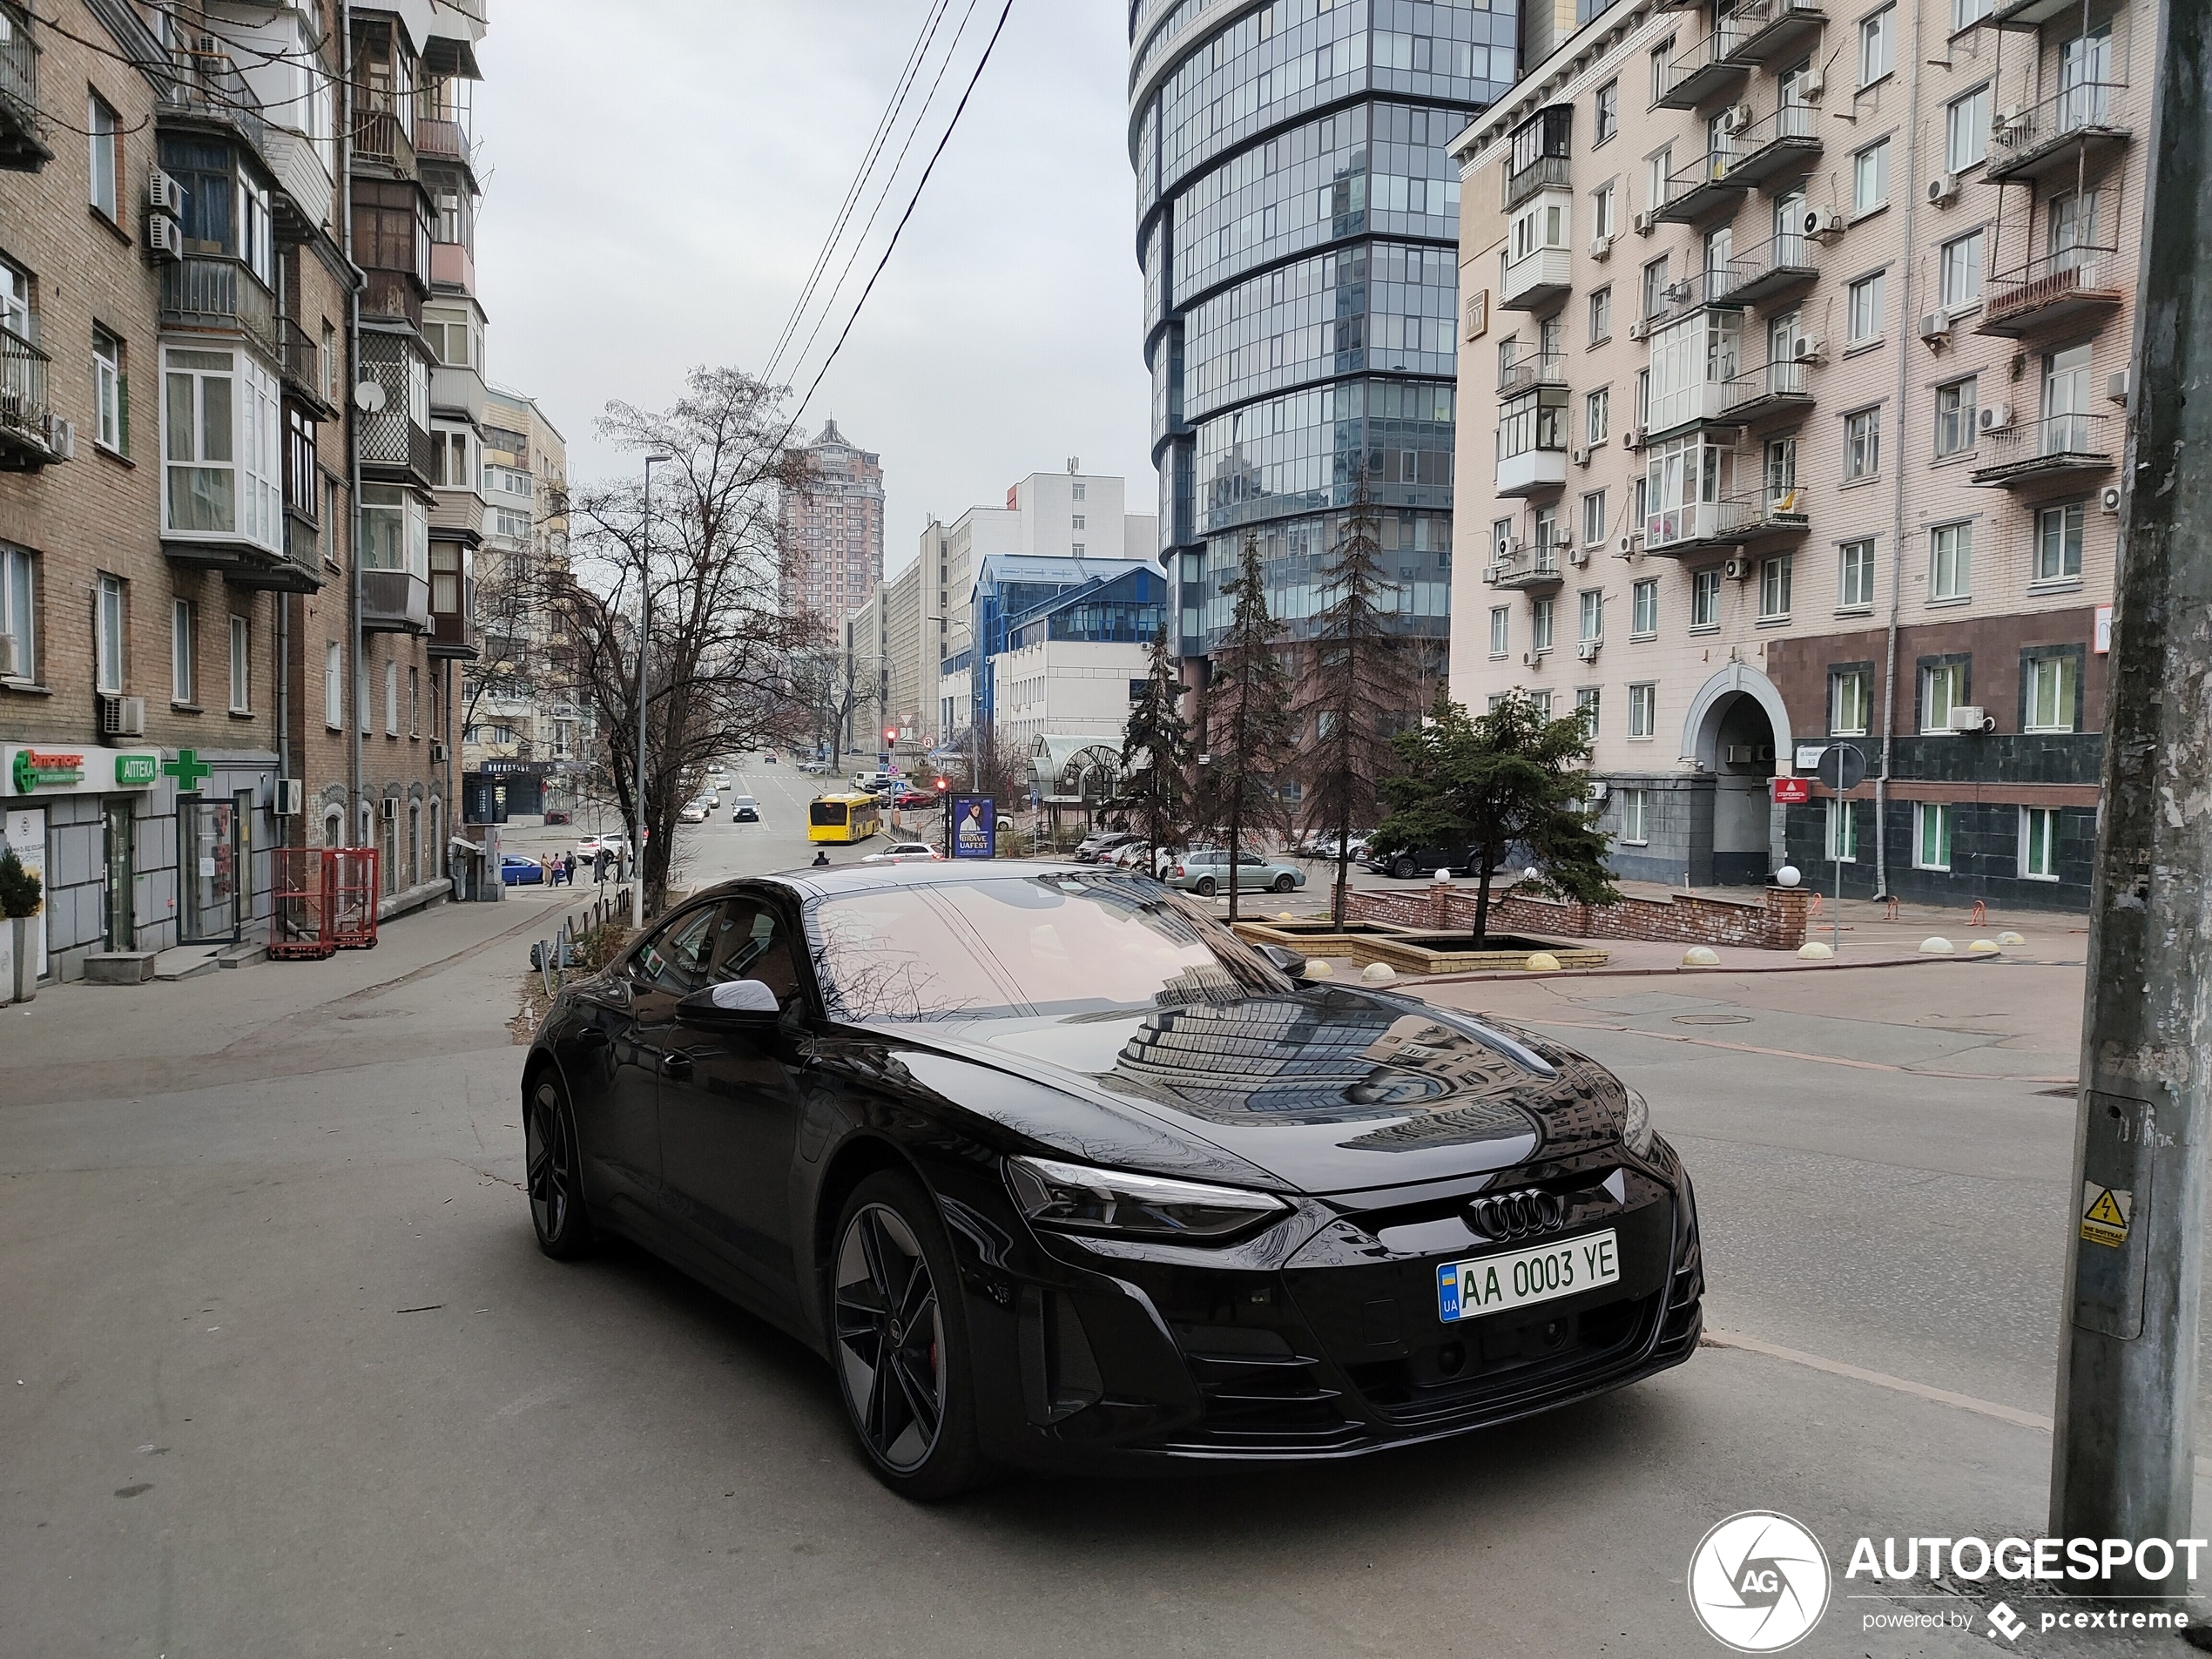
x,y
676,1065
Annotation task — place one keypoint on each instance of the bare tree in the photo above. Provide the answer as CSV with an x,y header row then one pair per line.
x,y
832,684
719,643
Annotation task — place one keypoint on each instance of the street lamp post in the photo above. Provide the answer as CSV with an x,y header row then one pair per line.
x,y
645,618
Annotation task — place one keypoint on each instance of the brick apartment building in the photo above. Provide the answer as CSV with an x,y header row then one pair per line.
x,y
1794,382
227,625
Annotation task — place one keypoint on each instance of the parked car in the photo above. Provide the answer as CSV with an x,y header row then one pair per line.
x,y
618,847
1206,874
1407,863
515,870
916,797
968,1122
1093,848
904,853
745,810
1324,847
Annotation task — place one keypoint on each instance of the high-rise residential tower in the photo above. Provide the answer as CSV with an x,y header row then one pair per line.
x,y
1297,222
834,529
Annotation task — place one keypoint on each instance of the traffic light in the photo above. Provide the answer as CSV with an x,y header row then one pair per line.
x,y
940,786
890,734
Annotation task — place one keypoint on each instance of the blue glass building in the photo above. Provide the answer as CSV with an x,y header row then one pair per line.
x,y
1297,227
1023,597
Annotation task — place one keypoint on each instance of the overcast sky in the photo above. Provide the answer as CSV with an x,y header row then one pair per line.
x,y
663,171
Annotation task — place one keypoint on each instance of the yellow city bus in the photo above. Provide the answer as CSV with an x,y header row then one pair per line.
x,y
842,818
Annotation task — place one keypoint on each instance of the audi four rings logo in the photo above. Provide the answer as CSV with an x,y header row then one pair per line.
x,y
1517,1215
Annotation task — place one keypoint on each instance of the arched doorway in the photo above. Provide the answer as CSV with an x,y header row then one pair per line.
x,y
1738,733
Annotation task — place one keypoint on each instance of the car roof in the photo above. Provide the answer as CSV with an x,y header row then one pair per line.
x,y
810,881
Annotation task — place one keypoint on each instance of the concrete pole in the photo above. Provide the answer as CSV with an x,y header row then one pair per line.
x,y
2124,1454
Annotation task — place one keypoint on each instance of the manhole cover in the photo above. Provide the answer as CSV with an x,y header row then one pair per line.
x,y
1712,1019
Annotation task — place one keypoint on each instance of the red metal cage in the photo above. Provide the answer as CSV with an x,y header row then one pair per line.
x,y
351,907
300,907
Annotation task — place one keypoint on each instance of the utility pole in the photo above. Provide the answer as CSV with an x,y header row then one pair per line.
x,y
2124,1453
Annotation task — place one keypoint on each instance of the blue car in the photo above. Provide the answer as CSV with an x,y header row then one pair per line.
x,y
515,870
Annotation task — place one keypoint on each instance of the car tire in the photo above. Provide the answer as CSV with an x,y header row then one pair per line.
x,y
1204,887
1403,867
892,1282
1284,882
553,1172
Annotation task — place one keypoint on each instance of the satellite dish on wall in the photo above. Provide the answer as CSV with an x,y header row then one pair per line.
x,y
368,397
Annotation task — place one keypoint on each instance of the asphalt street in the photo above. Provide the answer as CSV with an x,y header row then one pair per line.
x,y
282,1372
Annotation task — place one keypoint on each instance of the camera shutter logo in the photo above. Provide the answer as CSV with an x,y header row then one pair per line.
x,y
1758,1582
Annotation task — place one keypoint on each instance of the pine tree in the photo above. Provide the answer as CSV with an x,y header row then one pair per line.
x,y
1513,776
1248,728
1155,753
1358,691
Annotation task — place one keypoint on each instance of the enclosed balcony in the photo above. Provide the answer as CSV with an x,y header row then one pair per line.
x,y
1765,272
214,294
2076,285
1526,567
21,148
1701,526
1537,368
453,595
1777,389
1694,362
2075,128
307,372
28,435
1532,441
1536,281
1770,31
2059,448
394,601
1705,186
1537,158
1705,72
1783,142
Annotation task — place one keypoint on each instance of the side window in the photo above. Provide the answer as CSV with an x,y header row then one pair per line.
x,y
674,959
751,942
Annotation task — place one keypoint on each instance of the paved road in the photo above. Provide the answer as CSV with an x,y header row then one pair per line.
x,y
282,1373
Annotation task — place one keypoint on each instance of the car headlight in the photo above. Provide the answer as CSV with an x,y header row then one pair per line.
x,y
1080,1198
1635,1126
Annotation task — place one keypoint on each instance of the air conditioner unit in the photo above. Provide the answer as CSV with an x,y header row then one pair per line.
x,y
1582,457
61,438
1970,717
1808,349
2116,386
1812,84
1601,247
164,193
1935,327
1822,221
388,808
2109,500
1638,328
291,797
1995,417
1598,789
1578,556
1528,660
437,752
1586,651
123,717
1505,550
1943,190
165,237
1736,119
1633,438
1737,569
1646,223
1631,544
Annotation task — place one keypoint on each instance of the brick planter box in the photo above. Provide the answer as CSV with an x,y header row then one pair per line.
x,y
1439,953
1320,938
1775,922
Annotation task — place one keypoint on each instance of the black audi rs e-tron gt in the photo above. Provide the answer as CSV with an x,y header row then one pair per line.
x,y
1059,1173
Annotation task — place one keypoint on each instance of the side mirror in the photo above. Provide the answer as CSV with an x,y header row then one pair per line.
x,y
1286,959
733,1005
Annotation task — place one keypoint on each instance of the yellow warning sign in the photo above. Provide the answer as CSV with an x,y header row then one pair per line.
x,y
2105,1213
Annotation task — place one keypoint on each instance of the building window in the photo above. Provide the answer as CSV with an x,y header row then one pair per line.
x,y
107,636
1592,618
1931,836
1877,45
1601,223
19,636
1633,831
1862,444
1643,708
391,699
334,687
1705,598
1586,704
99,122
1966,130
107,391
1078,521
1541,701
394,531
222,439
1500,627
241,666
1865,309
1855,576
1593,517
1609,111
1869,178
1661,55
1077,548
1654,286
1540,625
1943,688
1075,490
2050,693
1951,557
1643,609
1774,587
1597,416
1965,14
1495,701
414,702
1848,699
1842,833
1954,418
1959,282
1602,315
183,624
2040,843
2057,541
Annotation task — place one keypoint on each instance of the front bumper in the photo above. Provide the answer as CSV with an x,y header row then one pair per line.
x,y
1321,1336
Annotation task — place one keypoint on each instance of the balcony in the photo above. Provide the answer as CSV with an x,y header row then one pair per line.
x,y
1705,72
21,148
1552,171
1784,142
1535,281
1779,388
441,141
2057,448
393,449
1700,526
457,516
1700,291
1532,472
394,601
32,436
382,144
453,266
302,540
2075,283
1526,373
1707,185
2074,128
1765,272
219,295
452,604
1769,31
1528,568
206,88
306,373
2029,14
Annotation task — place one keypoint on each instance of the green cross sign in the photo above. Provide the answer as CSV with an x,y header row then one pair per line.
x,y
187,769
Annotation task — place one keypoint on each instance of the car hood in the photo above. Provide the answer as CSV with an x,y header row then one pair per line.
x,y
1328,1089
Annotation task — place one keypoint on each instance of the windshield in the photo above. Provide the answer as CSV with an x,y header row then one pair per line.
x,y
1029,945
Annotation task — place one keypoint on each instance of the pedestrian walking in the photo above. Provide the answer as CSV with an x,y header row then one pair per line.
x,y
604,857
568,868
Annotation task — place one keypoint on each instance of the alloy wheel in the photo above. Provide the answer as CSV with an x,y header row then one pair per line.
x,y
890,1337
550,1160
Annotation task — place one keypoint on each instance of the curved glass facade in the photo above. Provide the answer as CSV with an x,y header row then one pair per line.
x,y
1297,229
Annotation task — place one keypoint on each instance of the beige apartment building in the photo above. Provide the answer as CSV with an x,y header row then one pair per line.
x,y
1794,380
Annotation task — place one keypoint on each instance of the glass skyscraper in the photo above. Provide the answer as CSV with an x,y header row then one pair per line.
x,y
1298,226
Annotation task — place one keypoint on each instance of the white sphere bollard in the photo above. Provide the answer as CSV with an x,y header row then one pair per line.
x,y
1701,956
1787,876
1541,961
1937,945
1814,950
2011,939
1378,973
1982,947
1315,968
